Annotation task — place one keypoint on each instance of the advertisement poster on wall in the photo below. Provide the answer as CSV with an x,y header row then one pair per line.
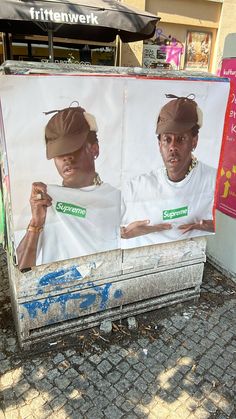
x,y
92,167
226,198
198,49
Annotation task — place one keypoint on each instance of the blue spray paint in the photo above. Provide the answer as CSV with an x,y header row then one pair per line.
x,y
118,294
60,277
86,300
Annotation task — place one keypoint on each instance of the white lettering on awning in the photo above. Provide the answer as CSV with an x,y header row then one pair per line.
x,y
62,17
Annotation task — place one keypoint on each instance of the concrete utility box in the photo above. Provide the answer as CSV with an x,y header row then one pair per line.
x,y
84,273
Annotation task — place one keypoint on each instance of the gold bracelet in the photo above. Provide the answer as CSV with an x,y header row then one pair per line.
x,y
34,229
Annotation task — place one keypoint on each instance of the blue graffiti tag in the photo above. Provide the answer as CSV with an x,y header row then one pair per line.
x,y
61,276
87,300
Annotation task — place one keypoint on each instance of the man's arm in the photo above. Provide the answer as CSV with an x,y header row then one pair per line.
x,y
141,228
27,249
203,225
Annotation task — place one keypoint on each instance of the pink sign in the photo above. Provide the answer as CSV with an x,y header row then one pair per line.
x,y
173,53
226,197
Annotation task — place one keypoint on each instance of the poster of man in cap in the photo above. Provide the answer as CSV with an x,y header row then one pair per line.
x,y
64,186
99,163
173,199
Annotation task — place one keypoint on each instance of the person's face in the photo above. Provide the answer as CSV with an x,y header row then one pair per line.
x,y
176,151
77,168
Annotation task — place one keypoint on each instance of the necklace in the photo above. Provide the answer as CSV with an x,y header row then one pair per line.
x,y
193,163
97,180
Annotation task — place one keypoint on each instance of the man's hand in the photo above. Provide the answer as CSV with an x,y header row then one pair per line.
x,y
39,201
204,225
27,249
140,228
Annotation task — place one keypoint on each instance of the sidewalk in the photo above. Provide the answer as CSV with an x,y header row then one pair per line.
x,y
179,363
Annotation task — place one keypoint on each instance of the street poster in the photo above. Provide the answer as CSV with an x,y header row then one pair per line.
x,y
91,166
198,48
226,197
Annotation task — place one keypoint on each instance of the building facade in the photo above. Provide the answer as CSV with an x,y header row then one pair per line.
x,y
190,34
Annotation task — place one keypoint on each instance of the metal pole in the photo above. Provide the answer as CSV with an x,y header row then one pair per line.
x,y
7,46
50,46
118,51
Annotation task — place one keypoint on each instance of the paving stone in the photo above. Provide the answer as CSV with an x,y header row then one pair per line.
x,y
104,367
112,394
43,385
26,412
120,400
141,384
123,367
103,385
113,377
106,327
58,402
127,406
134,395
52,374
113,412
132,323
94,413
96,359
123,385
76,360
13,414
71,373
62,382
139,367
58,358
141,412
227,407
101,401
132,375
115,359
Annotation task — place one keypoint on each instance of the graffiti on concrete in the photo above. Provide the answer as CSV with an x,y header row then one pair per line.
x,y
66,275
94,294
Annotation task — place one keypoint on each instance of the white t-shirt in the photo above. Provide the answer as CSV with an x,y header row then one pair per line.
x,y
80,222
154,197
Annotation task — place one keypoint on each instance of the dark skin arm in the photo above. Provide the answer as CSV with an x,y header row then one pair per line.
x,y
203,225
39,202
140,228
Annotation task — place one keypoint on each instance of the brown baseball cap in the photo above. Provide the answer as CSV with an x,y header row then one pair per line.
x,y
68,130
179,115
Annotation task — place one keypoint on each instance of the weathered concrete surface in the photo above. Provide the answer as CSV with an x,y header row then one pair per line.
x,y
179,363
67,297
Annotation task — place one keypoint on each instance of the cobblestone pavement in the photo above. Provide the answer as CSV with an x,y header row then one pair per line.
x,y
178,364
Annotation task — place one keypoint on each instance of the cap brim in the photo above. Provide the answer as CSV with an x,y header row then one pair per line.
x,y
174,127
65,145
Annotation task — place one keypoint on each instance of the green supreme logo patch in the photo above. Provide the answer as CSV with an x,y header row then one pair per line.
x,y
71,209
175,213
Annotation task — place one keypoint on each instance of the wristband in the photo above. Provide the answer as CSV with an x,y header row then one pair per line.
x,y
34,229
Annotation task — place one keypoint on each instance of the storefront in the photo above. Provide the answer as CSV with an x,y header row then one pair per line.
x,y
35,48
